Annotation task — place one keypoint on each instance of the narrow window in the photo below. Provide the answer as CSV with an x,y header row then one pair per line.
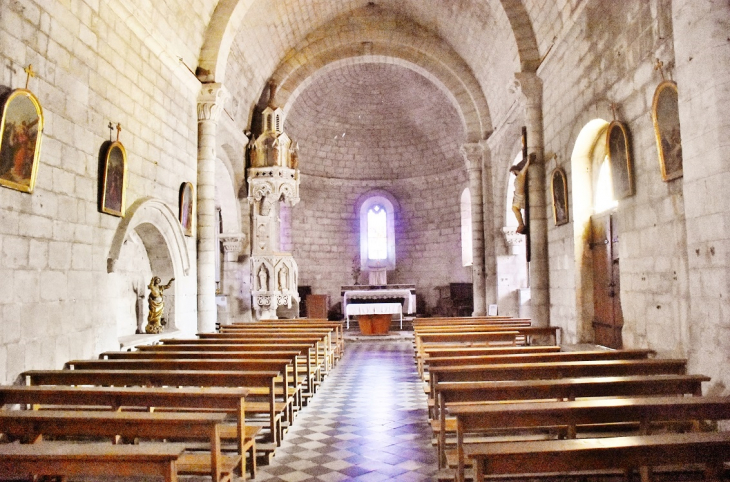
x,y
377,233
466,234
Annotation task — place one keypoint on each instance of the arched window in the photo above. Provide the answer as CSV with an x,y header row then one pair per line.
x,y
377,233
466,234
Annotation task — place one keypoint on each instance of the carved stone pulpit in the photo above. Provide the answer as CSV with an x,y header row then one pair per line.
x,y
273,178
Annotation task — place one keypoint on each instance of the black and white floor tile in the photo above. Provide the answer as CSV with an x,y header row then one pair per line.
x,y
368,422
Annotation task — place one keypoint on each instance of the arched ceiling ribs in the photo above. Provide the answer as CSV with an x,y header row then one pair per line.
x,y
413,48
524,34
219,36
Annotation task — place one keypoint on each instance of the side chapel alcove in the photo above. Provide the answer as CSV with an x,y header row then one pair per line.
x,y
149,242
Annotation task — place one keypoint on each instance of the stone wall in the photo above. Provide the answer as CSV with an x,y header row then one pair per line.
x,y
613,52
326,234
96,64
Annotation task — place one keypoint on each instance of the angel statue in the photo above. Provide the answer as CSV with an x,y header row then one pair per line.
x,y
157,304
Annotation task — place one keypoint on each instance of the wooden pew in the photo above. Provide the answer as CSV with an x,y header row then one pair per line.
x,y
227,400
435,351
261,391
553,370
306,351
538,357
559,389
322,341
171,378
320,349
527,332
90,460
623,453
300,323
296,385
32,425
477,417
483,337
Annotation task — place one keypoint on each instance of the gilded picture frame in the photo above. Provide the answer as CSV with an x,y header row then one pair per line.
x,y
559,188
20,143
665,114
618,147
187,208
114,180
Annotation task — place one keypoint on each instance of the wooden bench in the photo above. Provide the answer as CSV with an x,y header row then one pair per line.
x,y
32,425
622,453
322,341
306,353
172,378
242,365
296,384
319,348
436,351
90,459
227,400
475,360
338,338
559,389
553,370
478,418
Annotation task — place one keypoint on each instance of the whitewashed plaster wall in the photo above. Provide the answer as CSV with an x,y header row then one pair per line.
x,y
96,63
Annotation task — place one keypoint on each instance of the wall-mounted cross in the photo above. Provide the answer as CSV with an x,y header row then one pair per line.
x,y
659,65
31,73
613,107
119,130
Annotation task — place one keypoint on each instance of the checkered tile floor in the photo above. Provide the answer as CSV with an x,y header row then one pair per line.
x,y
367,422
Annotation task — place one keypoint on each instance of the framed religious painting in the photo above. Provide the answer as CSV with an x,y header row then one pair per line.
x,y
186,208
559,188
20,143
665,114
114,180
618,148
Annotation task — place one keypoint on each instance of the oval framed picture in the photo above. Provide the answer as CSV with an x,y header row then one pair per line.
x,y
665,114
186,208
559,188
20,144
114,181
619,157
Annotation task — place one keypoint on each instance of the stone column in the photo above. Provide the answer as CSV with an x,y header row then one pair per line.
x,y
473,157
490,252
210,106
530,87
702,56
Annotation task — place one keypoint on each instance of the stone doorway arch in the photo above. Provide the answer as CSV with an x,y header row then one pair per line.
x,y
149,241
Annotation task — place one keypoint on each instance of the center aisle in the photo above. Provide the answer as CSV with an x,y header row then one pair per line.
x,y
368,422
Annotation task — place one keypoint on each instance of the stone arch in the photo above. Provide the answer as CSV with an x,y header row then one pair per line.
x,y
225,193
581,209
219,36
153,223
524,35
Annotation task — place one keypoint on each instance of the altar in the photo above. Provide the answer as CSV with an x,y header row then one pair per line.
x,y
378,300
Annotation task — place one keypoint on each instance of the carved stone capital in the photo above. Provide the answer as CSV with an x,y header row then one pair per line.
x,y
211,102
512,239
529,87
233,242
472,153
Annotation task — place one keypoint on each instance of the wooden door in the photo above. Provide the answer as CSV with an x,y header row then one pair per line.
x,y
607,316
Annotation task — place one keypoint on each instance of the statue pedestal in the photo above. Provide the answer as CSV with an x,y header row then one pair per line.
x,y
374,324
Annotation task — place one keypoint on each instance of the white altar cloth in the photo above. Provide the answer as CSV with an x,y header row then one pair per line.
x,y
354,309
409,305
